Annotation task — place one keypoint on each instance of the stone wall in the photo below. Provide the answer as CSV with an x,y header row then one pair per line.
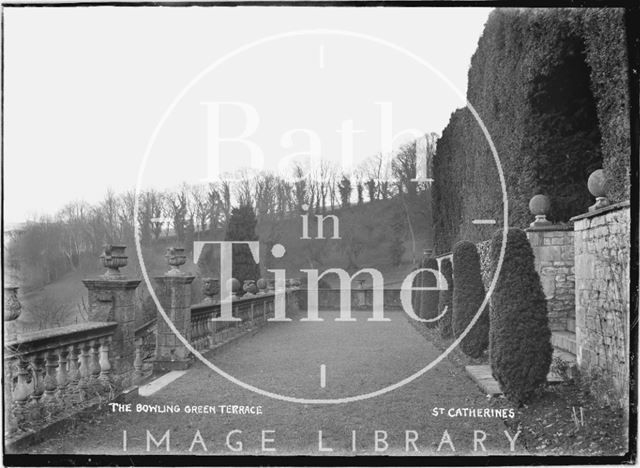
x,y
554,261
602,252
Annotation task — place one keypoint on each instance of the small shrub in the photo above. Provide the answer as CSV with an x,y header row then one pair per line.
x,y
467,299
429,299
520,337
446,300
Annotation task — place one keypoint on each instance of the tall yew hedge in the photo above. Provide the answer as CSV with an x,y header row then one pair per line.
x,y
429,299
446,300
520,338
551,87
467,299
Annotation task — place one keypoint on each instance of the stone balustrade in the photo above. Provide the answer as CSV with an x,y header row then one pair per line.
x,y
361,299
56,369
253,310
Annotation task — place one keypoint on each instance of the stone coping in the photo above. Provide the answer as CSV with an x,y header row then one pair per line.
x,y
204,307
145,326
71,334
550,227
606,209
102,282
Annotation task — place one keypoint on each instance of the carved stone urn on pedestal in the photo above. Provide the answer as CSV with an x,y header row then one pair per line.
x,y
250,287
12,307
113,258
12,310
175,258
210,289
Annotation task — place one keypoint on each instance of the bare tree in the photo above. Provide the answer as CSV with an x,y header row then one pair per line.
x,y
199,202
176,208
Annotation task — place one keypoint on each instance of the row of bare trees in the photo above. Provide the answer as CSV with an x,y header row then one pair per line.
x,y
56,244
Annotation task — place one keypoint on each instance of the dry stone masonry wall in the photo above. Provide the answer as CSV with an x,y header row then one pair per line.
x,y
554,261
602,250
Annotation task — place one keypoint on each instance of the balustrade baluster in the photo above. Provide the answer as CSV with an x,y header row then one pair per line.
x,y
198,334
105,365
37,381
85,363
137,361
62,377
37,377
22,390
195,334
74,370
203,332
94,359
211,330
10,424
50,382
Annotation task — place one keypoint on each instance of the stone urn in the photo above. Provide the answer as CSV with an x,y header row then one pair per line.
x,y
262,285
250,287
539,206
175,258
234,285
598,185
12,306
113,258
296,283
210,289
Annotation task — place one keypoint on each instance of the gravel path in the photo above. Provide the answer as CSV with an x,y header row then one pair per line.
x,y
285,358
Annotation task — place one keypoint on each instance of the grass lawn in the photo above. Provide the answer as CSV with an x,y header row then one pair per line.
x,y
359,357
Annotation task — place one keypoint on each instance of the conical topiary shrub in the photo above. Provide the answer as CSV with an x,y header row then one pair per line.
x,y
446,300
520,337
429,299
467,299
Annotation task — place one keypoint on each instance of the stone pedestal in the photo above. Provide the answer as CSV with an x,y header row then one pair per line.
x,y
111,299
175,296
554,261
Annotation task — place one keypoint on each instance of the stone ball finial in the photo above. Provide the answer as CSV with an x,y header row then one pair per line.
x,y
539,205
262,285
598,185
234,285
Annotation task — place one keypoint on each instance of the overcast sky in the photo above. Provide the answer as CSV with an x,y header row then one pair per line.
x,y
86,88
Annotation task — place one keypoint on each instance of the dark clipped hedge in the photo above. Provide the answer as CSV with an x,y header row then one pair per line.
x,y
446,196
551,87
520,350
446,300
429,299
467,299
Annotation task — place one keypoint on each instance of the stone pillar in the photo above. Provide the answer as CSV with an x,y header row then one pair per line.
x,y
174,290
112,299
553,249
